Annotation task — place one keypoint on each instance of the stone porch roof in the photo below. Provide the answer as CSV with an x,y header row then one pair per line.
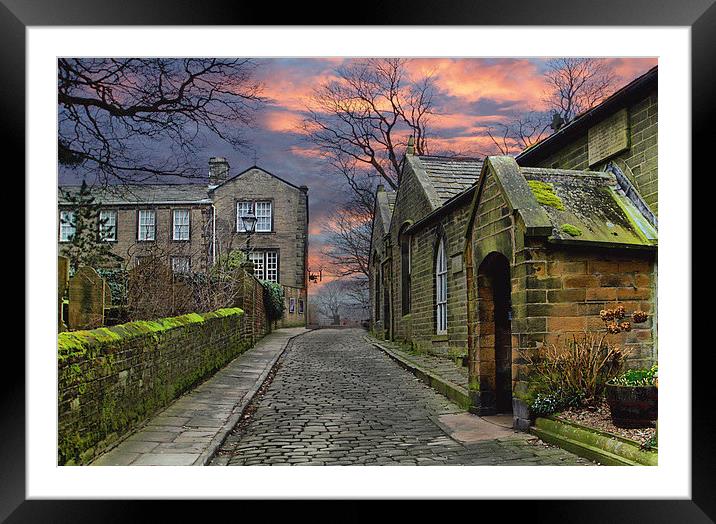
x,y
574,207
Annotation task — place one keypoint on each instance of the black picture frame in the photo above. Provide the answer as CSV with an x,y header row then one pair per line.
x,y
699,15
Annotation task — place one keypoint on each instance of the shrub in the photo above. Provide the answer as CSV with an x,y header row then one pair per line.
x,y
576,369
273,300
117,280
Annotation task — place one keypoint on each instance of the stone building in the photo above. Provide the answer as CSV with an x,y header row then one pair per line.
x,y
620,135
427,227
192,225
491,260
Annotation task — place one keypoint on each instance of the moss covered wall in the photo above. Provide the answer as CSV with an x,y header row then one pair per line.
x,y
112,379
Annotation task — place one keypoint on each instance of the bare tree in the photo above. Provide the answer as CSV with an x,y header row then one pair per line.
x,y
141,118
349,235
330,299
360,120
572,86
520,132
575,85
361,123
344,297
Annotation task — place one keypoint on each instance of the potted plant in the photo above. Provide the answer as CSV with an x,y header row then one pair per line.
x,y
633,398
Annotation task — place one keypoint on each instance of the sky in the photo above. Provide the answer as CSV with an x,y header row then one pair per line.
x,y
470,95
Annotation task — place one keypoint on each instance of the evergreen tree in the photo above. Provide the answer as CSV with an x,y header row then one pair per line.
x,y
85,247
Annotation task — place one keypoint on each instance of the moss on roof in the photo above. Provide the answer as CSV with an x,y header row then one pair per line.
x,y
586,206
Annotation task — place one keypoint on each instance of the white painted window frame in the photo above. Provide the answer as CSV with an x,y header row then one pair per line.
x,y
441,289
150,235
108,231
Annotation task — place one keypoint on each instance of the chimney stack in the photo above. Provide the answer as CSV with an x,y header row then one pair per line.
x,y
410,150
218,170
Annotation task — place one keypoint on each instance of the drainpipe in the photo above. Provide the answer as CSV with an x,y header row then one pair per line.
x,y
213,234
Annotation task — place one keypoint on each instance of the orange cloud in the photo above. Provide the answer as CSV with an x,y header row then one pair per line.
x,y
282,121
473,79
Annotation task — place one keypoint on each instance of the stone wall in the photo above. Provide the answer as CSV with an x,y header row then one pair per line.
x,y
557,291
411,205
419,327
112,379
300,309
639,161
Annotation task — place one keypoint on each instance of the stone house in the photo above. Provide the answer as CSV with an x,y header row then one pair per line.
x,y
379,262
546,250
192,225
426,244
491,260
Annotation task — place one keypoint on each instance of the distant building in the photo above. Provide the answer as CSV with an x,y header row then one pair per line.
x,y
192,225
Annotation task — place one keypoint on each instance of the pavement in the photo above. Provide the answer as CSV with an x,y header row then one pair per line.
x,y
189,431
336,399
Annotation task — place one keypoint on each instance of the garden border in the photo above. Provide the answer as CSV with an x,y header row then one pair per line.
x,y
593,444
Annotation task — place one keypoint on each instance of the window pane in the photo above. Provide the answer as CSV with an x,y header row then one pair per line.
x,y
108,225
441,289
180,264
272,266
67,225
146,224
181,224
263,216
242,208
258,259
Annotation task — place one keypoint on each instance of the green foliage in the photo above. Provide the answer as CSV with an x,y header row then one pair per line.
x,y
273,300
545,195
117,280
85,248
637,377
229,261
571,230
544,404
577,368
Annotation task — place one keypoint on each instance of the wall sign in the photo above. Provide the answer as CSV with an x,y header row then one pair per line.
x,y
608,137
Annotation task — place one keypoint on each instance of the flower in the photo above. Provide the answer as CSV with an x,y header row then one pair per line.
x,y
619,312
625,326
606,314
639,316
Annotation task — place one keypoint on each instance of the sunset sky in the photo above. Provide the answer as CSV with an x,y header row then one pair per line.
x,y
471,94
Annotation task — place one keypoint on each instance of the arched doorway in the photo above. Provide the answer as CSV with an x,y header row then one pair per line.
x,y
494,333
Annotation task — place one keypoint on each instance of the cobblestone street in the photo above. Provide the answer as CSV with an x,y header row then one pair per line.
x,y
337,400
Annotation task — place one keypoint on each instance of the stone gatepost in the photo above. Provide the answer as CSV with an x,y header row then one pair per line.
x,y
87,299
63,276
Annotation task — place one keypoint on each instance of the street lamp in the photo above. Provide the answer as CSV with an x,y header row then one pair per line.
x,y
249,221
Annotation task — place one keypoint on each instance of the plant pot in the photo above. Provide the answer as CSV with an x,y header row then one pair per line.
x,y
632,406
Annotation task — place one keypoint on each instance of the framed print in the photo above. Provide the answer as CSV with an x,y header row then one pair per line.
x,y
497,167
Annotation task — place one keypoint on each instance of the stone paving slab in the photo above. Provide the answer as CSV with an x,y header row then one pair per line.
x,y
335,400
188,431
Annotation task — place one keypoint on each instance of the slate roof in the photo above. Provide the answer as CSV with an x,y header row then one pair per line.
x,y
450,176
573,207
593,203
386,203
145,194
